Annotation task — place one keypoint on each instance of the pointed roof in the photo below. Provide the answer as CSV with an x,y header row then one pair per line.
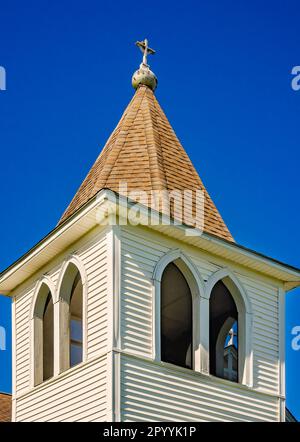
x,y
5,407
144,152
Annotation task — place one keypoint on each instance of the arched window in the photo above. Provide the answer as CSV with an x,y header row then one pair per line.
x,y
176,318
223,340
71,318
43,322
48,339
76,322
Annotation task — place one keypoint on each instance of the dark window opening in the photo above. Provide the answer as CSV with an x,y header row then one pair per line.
x,y
176,318
76,334
48,339
223,328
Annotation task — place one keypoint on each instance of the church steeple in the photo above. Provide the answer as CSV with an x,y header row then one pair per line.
x,y
144,152
143,75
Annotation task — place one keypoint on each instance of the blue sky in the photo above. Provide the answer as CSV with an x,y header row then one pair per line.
x,y
224,71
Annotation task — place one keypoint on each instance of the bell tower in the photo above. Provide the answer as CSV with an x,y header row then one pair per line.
x,y
139,305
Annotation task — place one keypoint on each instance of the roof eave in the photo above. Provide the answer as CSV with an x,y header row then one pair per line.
x,y
87,217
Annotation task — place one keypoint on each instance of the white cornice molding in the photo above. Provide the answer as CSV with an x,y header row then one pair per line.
x,y
95,211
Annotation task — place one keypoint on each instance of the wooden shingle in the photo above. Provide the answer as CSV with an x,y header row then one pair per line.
x,y
5,407
144,152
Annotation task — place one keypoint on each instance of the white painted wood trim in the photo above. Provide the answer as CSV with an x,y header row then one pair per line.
x,y
173,255
56,338
204,335
244,308
156,328
282,387
196,284
86,218
113,386
71,259
117,285
114,326
14,374
35,337
45,279
61,350
196,374
221,275
114,286
117,386
109,388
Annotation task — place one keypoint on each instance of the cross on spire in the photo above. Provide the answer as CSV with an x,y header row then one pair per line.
x,y
143,45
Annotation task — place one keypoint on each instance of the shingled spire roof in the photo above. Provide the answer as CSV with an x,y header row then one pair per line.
x,y
144,152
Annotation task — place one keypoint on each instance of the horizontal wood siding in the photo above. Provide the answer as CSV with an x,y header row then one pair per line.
x,y
22,336
93,255
142,249
152,392
138,260
22,345
94,259
265,331
79,395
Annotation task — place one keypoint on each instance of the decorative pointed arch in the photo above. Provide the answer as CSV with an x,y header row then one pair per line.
x,y
76,264
186,265
244,314
42,331
35,303
195,283
72,294
233,284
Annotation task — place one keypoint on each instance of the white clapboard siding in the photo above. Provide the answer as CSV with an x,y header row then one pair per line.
x,y
152,392
94,260
206,267
78,395
141,250
22,336
264,299
138,260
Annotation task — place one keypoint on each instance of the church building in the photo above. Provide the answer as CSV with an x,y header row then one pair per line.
x,y
139,305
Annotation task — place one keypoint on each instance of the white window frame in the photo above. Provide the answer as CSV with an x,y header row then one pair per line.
x,y
65,282
196,285
201,293
43,287
245,315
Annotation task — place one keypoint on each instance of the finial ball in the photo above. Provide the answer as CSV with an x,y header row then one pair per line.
x,y
144,76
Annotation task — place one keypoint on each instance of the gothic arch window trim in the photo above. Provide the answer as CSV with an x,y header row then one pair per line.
x,y
65,281
244,308
43,288
233,284
46,280
196,285
72,259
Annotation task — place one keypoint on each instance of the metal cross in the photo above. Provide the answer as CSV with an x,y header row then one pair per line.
x,y
143,45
